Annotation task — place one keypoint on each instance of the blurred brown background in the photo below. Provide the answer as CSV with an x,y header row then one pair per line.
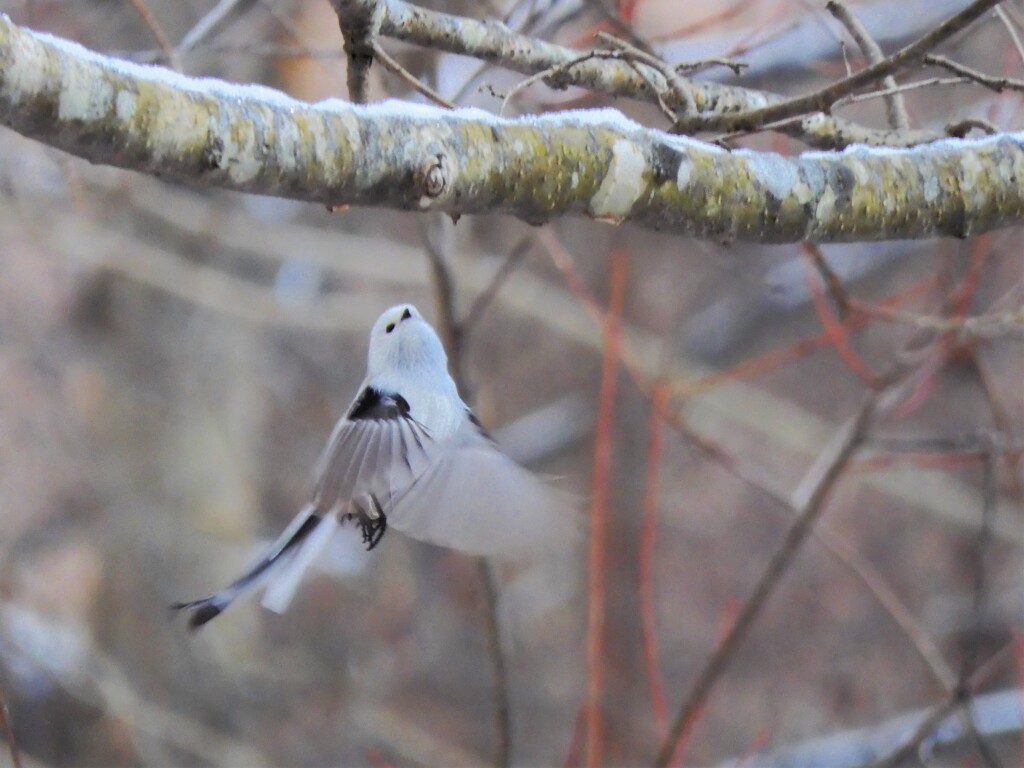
x,y
172,361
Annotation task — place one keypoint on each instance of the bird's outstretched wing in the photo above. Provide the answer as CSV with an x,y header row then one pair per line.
x,y
476,499
377,450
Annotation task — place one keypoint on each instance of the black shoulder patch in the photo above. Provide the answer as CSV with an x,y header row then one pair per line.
x,y
476,423
374,404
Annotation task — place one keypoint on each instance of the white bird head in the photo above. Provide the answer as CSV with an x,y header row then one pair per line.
x,y
402,340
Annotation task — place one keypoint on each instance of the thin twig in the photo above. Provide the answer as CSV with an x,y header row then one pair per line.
x,y
453,336
527,22
997,84
988,326
682,89
392,66
836,290
938,712
548,76
202,28
895,109
699,65
597,551
832,326
158,33
823,99
645,569
930,82
985,446
518,52
809,500
1011,30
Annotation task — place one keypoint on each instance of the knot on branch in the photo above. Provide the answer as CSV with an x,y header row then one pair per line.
x,y
434,180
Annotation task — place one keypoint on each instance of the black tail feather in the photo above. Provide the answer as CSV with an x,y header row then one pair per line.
x,y
207,608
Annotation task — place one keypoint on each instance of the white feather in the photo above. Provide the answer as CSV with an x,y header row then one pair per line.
x,y
282,587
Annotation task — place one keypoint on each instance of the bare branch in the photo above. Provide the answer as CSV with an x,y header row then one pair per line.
x,y
823,99
997,84
894,107
360,21
460,162
1004,17
493,42
392,66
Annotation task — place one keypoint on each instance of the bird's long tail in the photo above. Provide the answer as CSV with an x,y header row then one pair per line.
x,y
282,587
286,559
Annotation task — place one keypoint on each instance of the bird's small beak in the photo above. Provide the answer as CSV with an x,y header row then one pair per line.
x,y
407,314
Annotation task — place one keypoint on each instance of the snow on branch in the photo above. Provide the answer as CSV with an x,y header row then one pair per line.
x,y
409,157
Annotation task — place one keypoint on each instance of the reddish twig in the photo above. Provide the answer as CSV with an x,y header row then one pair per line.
x,y
563,261
959,304
833,328
573,754
771,360
648,539
596,567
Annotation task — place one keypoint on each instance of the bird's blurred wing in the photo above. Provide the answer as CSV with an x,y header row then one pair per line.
x,y
377,449
476,499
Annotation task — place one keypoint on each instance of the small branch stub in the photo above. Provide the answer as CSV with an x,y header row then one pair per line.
x,y
435,180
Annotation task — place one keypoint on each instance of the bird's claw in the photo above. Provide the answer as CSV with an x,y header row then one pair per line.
x,y
372,529
372,524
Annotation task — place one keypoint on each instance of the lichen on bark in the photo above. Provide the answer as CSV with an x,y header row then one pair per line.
x,y
413,157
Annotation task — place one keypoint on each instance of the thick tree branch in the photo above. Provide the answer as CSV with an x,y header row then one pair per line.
x,y
409,157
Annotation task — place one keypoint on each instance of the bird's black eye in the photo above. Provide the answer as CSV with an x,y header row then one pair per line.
x,y
407,314
389,328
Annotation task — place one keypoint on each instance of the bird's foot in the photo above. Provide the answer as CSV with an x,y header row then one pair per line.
x,y
372,524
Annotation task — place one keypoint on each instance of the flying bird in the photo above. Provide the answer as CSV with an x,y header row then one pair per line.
x,y
408,454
